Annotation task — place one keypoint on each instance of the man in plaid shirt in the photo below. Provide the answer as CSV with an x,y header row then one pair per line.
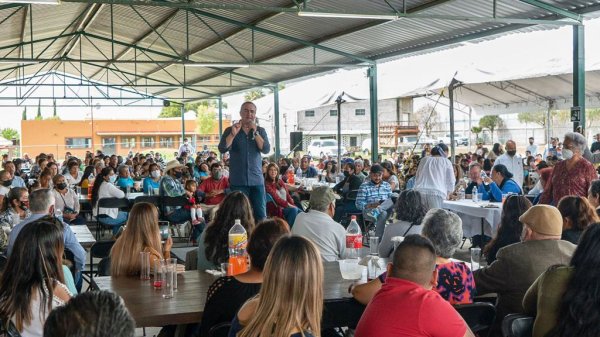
x,y
374,199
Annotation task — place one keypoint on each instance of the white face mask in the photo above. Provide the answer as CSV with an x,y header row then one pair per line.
x,y
155,174
567,154
112,178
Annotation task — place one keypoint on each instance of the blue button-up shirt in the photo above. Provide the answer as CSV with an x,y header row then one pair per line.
x,y
69,237
369,193
245,162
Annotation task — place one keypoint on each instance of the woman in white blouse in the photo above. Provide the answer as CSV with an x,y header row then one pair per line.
x,y
74,175
67,201
33,281
104,187
435,177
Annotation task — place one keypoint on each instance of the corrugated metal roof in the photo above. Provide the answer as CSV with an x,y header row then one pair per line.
x,y
220,32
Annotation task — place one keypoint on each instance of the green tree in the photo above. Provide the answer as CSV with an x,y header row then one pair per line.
x,y
255,94
592,117
491,123
174,110
539,117
206,120
476,130
39,117
24,114
427,118
9,134
54,114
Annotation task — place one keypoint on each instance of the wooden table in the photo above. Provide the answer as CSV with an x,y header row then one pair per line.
x,y
83,235
148,308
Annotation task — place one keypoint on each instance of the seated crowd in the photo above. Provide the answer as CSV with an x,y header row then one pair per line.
x,y
541,260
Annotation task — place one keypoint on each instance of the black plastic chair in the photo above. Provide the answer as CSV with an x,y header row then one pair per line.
x,y
220,330
517,325
152,199
108,203
341,313
100,250
104,267
479,316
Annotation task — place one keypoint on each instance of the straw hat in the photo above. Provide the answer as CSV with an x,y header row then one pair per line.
x,y
173,164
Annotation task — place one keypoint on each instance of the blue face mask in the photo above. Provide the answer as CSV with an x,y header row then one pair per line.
x,y
112,178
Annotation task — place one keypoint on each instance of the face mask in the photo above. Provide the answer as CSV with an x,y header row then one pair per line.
x,y
217,175
178,175
567,154
24,205
346,174
511,153
7,183
61,186
112,178
155,174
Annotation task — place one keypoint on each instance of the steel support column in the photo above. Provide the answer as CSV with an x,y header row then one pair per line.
x,y
276,117
451,109
182,121
372,73
579,74
220,100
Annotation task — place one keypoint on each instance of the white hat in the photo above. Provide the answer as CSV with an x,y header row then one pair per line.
x,y
173,164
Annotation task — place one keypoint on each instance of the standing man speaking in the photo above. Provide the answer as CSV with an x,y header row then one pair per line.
x,y
245,141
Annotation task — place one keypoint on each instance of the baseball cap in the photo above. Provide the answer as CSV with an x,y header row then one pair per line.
x,y
321,196
543,219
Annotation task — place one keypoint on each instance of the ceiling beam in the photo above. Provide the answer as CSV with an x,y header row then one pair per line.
x,y
167,18
554,9
92,13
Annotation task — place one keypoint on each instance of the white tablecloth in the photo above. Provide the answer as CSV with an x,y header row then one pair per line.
x,y
472,213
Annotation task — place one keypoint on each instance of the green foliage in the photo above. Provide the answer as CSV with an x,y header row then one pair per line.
x,y
476,130
39,117
538,117
206,120
24,115
255,94
10,134
491,123
174,110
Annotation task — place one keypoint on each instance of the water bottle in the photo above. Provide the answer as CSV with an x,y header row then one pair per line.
x,y
290,177
484,177
238,241
474,194
461,192
353,239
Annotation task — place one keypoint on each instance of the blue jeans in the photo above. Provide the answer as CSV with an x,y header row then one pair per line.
x,y
290,213
181,215
115,223
256,194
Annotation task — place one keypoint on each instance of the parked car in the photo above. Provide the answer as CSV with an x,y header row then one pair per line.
x,y
458,139
324,147
408,143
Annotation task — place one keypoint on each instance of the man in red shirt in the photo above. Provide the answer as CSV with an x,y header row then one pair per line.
x,y
214,189
406,305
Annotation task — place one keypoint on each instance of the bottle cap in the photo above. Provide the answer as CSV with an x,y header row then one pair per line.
x,y
353,217
238,221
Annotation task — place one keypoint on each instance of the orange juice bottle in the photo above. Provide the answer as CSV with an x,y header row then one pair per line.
x,y
238,241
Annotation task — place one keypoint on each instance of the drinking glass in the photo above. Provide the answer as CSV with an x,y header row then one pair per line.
x,y
475,258
480,197
158,281
145,265
155,191
373,245
168,272
173,262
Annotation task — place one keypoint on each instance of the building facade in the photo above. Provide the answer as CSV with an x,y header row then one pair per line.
x,y
111,136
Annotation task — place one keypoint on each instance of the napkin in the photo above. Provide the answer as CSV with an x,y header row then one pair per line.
x,y
371,258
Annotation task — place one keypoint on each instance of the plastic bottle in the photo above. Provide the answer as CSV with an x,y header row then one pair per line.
x,y
290,177
484,177
461,192
474,194
353,239
238,241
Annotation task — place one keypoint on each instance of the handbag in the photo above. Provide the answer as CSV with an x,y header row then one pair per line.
x,y
67,209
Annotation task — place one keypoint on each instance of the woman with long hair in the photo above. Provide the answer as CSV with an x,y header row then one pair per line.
x,y
578,214
510,228
389,175
213,242
565,300
104,187
15,207
594,195
290,302
141,234
88,174
282,205
33,281
227,294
